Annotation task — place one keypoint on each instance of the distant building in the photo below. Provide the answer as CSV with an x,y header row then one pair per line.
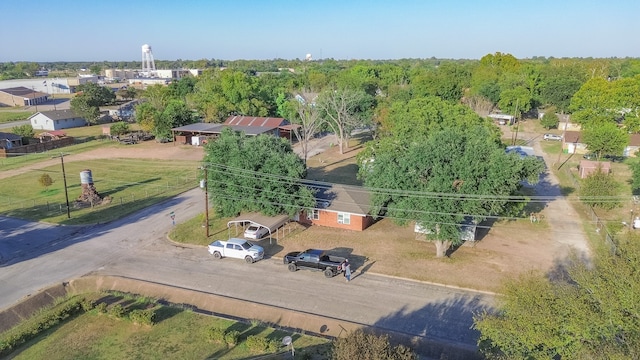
x,y
129,75
22,96
56,120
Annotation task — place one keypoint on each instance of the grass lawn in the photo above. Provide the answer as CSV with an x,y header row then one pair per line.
x,y
177,334
29,159
10,116
135,183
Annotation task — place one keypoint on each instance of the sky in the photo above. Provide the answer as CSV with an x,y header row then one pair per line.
x,y
115,30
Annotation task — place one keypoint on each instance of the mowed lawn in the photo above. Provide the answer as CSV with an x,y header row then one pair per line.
x,y
10,116
134,183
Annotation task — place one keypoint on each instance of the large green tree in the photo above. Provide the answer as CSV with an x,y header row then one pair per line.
x,y
89,99
218,94
590,312
559,84
605,138
420,116
175,114
600,189
259,173
445,178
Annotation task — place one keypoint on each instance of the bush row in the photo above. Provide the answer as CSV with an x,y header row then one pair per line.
x,y
137,316
45,320
254,343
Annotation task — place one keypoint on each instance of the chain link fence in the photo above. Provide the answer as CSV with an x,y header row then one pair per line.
x,y
42,208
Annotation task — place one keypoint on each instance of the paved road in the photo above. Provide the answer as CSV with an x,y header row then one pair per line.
x,y
137,247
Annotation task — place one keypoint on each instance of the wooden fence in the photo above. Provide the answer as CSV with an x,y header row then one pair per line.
x,y
36,147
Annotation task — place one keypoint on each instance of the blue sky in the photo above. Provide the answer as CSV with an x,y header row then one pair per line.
x,y
115,30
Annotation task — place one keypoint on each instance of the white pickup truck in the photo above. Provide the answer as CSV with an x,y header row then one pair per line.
x,y
236,248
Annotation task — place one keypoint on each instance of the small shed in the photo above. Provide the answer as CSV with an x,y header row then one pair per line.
x,y
9,140
587,167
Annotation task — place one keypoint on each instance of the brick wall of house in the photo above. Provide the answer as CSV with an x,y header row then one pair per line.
x,y
330,219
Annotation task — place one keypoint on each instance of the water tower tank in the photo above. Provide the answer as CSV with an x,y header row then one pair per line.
x,y
85,177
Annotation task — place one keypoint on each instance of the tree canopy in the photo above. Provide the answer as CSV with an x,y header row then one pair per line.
x,y
259,173
442,180
89,99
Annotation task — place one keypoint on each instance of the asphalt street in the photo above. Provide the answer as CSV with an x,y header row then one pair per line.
x,y
137,247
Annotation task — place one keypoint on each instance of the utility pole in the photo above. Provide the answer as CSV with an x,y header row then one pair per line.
x,y
206,200
515,114
64,178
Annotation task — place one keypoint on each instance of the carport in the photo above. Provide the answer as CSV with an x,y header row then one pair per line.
x,y
272,223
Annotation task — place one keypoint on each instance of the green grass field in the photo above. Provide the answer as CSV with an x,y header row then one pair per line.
x,y
131,185
177,334
9,116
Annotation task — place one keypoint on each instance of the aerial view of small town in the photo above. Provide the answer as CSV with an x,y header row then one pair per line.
x,y
228,196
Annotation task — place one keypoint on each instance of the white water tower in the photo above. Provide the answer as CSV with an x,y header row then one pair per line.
x,y
148,65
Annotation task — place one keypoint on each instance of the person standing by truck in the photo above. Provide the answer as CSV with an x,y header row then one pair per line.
x,y
346,268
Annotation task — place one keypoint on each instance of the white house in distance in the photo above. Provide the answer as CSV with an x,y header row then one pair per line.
x,y
56,120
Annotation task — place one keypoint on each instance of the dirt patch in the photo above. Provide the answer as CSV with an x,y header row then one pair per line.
x,y
390,249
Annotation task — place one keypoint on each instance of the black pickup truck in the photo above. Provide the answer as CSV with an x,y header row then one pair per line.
x,y
314,259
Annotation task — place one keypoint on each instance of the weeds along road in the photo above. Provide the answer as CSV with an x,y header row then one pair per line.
x,y
137,247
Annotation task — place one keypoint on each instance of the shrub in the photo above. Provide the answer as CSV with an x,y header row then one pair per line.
x,y
102,308
231,337
116,311
45,180
26,131
143,317
273,346
216,335
32,327
360,345
119,128
256,343
550,119
88,304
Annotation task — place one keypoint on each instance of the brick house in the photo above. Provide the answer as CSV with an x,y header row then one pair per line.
x,y
339,206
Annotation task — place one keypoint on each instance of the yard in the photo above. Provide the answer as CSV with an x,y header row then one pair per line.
x,y
390,249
